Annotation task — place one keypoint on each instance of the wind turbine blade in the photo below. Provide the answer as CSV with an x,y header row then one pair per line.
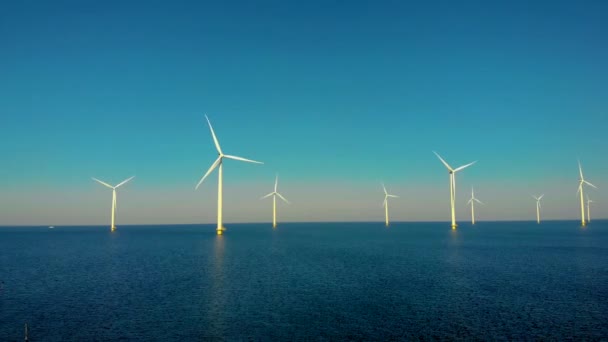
x,y
464,166
580,169
469,202
478,201
541,197
394,196
213,166
102,183
242,159
536,198
217,144
266,196
283,198
589,184
384,202
443,161
580,186
123,182
384,188
276,183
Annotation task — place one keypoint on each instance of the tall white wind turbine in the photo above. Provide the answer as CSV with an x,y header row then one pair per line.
x,y
113,227
385,203
581,182
274,195
472,203
538,207
452,173
219,163
588,209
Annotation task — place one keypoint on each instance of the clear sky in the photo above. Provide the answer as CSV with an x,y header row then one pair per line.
x,y
335,96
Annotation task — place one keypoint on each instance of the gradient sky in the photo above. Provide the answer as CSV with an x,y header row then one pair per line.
x,y
335,96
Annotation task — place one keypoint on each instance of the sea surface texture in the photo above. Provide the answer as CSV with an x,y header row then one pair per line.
x,y
318,281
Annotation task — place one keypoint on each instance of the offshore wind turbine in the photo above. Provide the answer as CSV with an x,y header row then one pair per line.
x,y
274,195
581,182
589,210
113,227
472,203
452,173
385,203
538,207
219,163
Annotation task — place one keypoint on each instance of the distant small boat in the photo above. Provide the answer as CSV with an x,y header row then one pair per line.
x,y
51,227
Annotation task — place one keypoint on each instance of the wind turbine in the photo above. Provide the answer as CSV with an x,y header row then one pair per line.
x,y
588,210
538,207
385,203
582,181
219,162
113,227
452,173
472,203
274,195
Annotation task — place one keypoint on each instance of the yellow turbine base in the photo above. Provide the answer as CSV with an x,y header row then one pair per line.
x,y
454,226
112,229
220,231
584,223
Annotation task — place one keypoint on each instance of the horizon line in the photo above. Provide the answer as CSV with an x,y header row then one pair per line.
x,y
285,222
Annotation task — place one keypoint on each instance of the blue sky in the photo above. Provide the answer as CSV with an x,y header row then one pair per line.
x,y
334,96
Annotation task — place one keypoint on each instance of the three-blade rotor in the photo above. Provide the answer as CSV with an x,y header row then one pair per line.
x,y
110,186
450,169
387,195
473,198
221,156
276,192
582,180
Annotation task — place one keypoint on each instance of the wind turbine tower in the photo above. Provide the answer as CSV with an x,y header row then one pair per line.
x,y
538,207
588,209
452,173
385,203
274,195
472,203
581,182
219,164
113,227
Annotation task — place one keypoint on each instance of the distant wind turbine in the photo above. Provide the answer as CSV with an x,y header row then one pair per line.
x,y
472,203
588,208
581,182
452,173
113,227
274,195
538,207
385,203
219,162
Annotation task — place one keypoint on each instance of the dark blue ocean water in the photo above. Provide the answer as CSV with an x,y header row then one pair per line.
x,y
497,280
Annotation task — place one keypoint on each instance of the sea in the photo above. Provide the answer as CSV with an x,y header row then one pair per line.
x,y
306,281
